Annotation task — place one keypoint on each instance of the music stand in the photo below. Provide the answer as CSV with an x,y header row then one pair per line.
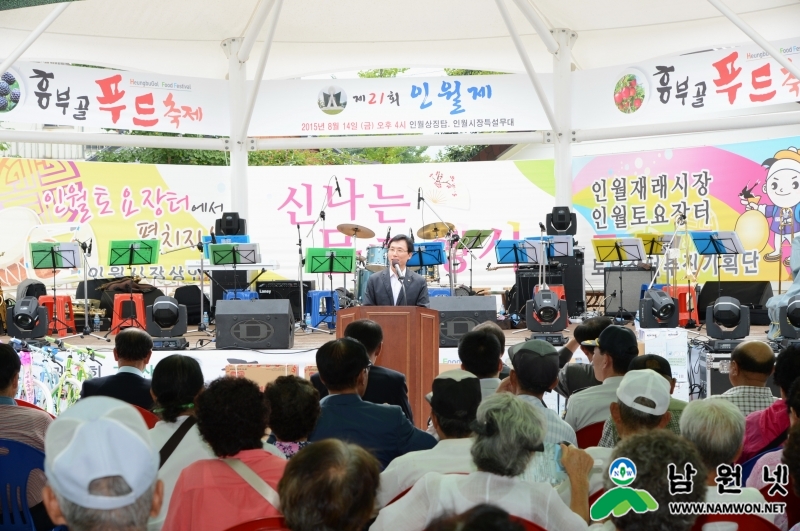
x,y
427,254
234,254
618,250
717,243
517,252
323,260
471,240
54,255
128,253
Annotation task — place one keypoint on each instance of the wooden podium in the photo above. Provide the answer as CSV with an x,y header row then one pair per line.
x,y
410,346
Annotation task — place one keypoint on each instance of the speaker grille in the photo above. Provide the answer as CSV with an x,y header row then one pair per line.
x,y
252,331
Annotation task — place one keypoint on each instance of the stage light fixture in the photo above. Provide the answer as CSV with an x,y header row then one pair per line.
x,y
546,312
789,318
560,222
28,320
729,313
230,224
657,310
167,319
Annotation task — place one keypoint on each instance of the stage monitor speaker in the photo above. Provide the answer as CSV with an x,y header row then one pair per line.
x,y
285,289
632,280
751,293
569,274
459,315
226,280
255,324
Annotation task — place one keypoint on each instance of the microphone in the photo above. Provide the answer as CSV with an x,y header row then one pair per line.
x,y
338,190
411,235
419,197
213,237
388,237
396,267
541,226
89,252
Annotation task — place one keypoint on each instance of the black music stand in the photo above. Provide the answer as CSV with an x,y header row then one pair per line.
x,y
471,240
516,252
128,253
55,256
717,243
234,254
621,250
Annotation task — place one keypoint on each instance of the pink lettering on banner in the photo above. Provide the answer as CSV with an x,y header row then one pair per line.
x,y
111,94
728,72
147,194
444,183
391,204
790,82
144,107
353,196
297,204
175,112
128,208
70,200
101,201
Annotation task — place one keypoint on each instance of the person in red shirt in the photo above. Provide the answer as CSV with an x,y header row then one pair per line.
x,y
210,495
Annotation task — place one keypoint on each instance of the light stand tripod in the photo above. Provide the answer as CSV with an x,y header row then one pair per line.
x,y
202,326
86,250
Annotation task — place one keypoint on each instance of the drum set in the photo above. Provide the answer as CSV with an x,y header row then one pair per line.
x,y
377,258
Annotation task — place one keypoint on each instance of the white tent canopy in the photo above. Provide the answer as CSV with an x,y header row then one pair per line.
x,y
182,37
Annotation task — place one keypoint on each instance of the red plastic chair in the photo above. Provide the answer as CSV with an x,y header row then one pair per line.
x,y
746,522
273,523
32,406
529,526
792,502
149,418
590,435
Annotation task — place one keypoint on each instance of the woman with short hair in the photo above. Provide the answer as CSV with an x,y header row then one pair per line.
x,y
509,431
294,410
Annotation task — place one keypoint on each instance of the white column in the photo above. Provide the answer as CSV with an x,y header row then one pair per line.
x,y
562,95
237,85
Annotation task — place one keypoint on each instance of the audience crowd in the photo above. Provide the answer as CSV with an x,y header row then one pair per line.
x,y
341,452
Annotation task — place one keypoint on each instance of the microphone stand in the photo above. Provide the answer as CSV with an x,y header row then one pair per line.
x,y
300,263
321,216
451,257
202,326
87,330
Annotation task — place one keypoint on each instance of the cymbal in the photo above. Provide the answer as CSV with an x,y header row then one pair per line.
x,y
431,231
351,229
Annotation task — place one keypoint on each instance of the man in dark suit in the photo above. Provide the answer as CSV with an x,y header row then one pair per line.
x,y
382,429
385,288
132,350
384,386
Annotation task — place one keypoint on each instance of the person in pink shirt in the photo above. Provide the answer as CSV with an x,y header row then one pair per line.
x,y
210,494
767,428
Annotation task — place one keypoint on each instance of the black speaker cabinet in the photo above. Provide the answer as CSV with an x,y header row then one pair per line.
x,y
459,315
285,289
751,293
632,280
568,273
257,324
224,280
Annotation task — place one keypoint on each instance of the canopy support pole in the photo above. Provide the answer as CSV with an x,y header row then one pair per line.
x,y
756,37
538,24
562,95
24,45
237,145
254,28
526,61
262,64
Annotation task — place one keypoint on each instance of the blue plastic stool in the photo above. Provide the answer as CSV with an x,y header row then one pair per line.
x,y
240,294
438,292
314,300
15,466
644,288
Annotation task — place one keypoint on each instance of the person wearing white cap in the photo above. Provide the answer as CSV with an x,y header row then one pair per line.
x,y
454,403
642,405
716,427
101,467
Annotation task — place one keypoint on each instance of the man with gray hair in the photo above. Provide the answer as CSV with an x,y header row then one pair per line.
x,y
716,427
102,468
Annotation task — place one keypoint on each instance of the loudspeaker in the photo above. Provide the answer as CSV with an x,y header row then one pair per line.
x,y
632,280
569,273
459,315
40,330
255,324
751,293
224,280
285,289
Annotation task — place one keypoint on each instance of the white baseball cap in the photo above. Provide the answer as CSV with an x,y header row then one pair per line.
x,y
96,438
645,383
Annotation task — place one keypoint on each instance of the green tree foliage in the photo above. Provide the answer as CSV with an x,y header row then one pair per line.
x,y
463,72
381,72
458,153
